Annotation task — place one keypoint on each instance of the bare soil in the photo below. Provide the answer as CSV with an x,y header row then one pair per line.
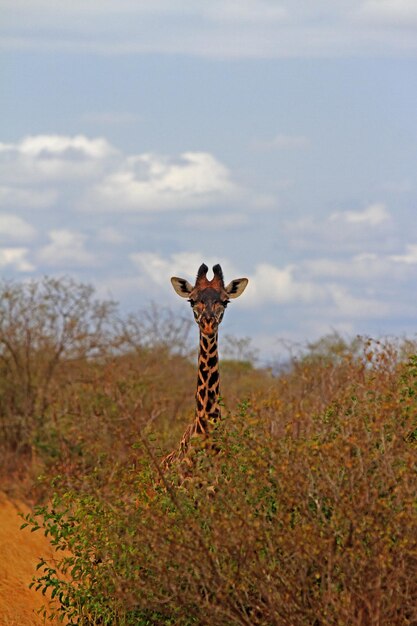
x,y
19,554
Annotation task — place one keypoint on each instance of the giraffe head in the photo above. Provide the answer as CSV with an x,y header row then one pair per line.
x,y
209,298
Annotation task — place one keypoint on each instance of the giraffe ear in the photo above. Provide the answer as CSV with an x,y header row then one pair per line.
x,y
181,286
236,287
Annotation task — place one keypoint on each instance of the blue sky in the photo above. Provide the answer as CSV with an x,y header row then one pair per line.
x,y
139,139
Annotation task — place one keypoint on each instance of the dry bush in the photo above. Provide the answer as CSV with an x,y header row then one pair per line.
x,y
306,513
75,377
314,524
157,327
143,387
78,382
102,413
43,324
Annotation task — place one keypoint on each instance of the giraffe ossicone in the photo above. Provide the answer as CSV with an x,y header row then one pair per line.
x,y
208,299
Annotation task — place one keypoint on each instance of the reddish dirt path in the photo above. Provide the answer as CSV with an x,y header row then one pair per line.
x,y
19,553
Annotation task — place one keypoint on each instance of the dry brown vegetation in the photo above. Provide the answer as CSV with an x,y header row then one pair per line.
x,y
305,515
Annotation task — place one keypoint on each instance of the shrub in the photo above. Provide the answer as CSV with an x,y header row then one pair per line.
x,y
315,526
43,324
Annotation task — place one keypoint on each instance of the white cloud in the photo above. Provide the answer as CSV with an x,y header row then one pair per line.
x,y
279,285
16,258
110,235
44,11
42,158
158,269
362,268
150,182
373,215
66,248
244,11
80,8
152,272
14,227
349,232
389,12
219,28
373,277
410,256
50,145
102,178
28,198
216,221
349,306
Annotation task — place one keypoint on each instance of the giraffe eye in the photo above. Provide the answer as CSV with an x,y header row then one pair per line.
x,y
225,303
191,302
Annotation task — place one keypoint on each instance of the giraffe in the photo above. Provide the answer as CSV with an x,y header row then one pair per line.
x,y
208,299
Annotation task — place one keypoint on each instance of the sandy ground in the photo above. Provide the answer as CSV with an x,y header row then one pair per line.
x,y
19,554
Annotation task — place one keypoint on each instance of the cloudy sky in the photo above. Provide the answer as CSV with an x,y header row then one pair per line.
x,y
279,138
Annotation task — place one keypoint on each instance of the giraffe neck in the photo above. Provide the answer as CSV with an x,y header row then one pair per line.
x,y
207,396
208,388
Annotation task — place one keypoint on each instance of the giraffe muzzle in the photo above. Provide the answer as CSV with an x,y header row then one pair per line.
x,y
208,326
